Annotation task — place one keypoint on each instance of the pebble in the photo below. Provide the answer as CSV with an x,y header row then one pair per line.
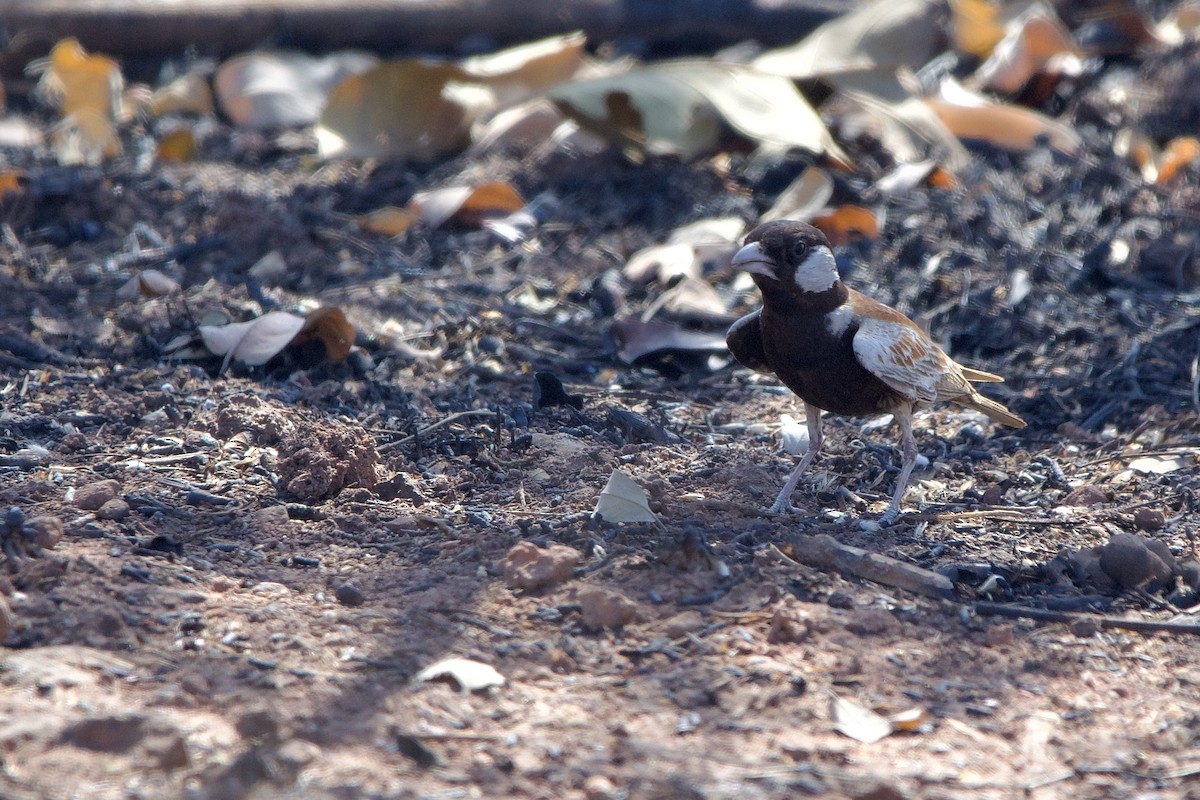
x,y
1148,519
1085,495
91,496
530,568
350,595
605,608
115,509
48,530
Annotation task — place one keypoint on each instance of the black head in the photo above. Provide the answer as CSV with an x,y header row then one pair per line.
x,y
789,259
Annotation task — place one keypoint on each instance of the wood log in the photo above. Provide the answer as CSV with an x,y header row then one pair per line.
x,y
137,28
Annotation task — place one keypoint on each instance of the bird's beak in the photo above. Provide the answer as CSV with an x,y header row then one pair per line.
x,y
751,258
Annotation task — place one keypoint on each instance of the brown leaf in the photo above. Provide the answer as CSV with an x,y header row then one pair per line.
x,y
330,327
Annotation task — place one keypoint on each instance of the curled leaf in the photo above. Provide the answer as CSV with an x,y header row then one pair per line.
x,y
254,342
469,675
972,116
622,500
466,205
681,107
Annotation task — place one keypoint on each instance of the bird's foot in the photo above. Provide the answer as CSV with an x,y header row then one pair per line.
x,y
784,506
890,517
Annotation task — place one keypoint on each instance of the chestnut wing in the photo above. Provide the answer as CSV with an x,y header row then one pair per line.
x,y
906,360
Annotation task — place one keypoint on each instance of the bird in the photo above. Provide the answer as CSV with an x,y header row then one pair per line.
x,y
841,351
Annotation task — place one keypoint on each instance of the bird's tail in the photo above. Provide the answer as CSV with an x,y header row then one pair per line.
x,y
994,410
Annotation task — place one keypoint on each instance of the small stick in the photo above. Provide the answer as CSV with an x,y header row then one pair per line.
x,y
1046,615
475,412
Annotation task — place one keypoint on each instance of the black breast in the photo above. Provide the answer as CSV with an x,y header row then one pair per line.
x,y
820,367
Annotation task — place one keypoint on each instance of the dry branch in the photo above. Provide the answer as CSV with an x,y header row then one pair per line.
x,y
222,27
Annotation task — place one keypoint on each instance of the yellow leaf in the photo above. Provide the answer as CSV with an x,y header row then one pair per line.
x,y
976,26
389,221
178,145
330,327
843,224
882,34
972,116
187,94
466,205
81,82
401,109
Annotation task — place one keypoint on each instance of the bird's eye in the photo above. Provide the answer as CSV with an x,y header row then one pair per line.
x,y
799,250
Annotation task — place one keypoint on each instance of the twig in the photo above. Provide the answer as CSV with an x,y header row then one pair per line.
x,y
1046,615
824,552
475,412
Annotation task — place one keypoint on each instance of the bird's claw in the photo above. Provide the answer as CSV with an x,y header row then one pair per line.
x,y
890,517
784,507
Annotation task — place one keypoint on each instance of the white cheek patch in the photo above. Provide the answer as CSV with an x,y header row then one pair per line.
x,y
818,272
838,320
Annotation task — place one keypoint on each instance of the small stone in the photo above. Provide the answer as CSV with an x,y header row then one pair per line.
x,y
683,623
107,734
298,753
992,496
998,636
787,627
270,588
270,520
260,725
115,510
169,751
92,496
872,622
605,608
350,595
598,787
1132,561
1085,495
6,620
1085,628
1149,519
530,568
48,531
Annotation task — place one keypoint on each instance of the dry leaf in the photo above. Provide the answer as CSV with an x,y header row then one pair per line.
x,y
254,342
682,107
803,197
411,108
1034,43
177,146
265,90
638,338
466,205
1181,24
844,224
664,263
12,181
1156,166
970,115
520,71
389,220
907,127
471,676
883,34
858,722
87,89
187,94
977,26
1160,465
525,125
148,283
909,720
330,327
793,435
622,500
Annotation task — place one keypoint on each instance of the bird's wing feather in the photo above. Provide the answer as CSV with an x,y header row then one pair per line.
x,y
745,342
904,359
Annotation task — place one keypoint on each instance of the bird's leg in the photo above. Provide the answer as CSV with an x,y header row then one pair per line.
x,y
812,416
908,444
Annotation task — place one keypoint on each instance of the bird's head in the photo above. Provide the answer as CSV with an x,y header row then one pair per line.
x,y
788,259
